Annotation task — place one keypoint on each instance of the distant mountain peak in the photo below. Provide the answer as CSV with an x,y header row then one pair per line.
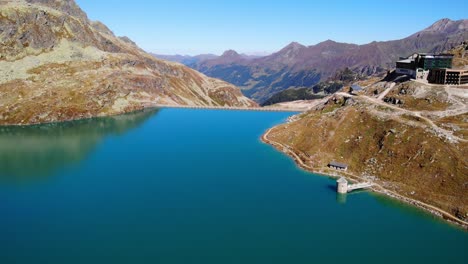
x,y
444,20
291,49
329,41
294,46
231,54
440,25
228,57
447,25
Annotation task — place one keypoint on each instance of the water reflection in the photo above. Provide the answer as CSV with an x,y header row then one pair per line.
x,y
341,198
33,152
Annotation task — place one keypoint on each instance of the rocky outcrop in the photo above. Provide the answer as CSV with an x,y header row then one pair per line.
x,y
68,7
57,65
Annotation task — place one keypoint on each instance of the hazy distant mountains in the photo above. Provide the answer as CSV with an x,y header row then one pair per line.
x,y
185,59
194,60
299,66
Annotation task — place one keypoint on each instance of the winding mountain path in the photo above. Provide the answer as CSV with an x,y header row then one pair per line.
x,y
384,93
418,114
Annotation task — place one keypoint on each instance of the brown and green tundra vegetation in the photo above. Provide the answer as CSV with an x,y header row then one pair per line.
x,y
416,146
57,65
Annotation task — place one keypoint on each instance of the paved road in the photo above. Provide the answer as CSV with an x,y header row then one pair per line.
x,y
384,93
448,134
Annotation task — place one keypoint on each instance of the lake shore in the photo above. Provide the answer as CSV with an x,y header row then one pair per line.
x,y
150,106
376,187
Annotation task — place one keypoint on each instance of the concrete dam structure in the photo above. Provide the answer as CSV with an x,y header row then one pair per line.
x,y
342,186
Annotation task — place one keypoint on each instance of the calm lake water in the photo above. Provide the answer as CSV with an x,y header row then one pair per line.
x,y
193,186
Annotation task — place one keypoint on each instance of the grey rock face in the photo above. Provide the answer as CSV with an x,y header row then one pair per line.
x,y
67,6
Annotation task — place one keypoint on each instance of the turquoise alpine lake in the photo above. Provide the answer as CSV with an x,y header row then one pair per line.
x,y
193,186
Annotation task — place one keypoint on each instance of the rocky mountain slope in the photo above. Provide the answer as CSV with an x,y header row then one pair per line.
x,y
335,83
460,59
261,78
299,66
410,138
56,64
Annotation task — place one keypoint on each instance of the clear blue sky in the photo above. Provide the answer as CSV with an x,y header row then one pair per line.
x,y
250,26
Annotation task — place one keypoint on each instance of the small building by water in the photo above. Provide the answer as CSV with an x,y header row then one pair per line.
x,y
338,166
342,185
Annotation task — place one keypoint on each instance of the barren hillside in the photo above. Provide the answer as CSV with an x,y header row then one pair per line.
x,y
411,138
56,64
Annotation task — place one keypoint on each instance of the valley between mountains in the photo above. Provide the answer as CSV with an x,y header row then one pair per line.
x,y
407,136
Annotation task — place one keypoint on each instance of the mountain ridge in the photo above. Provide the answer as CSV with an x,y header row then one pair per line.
x,y
300,66
57,65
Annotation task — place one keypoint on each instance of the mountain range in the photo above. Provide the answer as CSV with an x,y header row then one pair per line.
x,y
299,66
57,65
194,60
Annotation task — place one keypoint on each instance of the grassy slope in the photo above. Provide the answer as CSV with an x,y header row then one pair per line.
x,y
399,150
